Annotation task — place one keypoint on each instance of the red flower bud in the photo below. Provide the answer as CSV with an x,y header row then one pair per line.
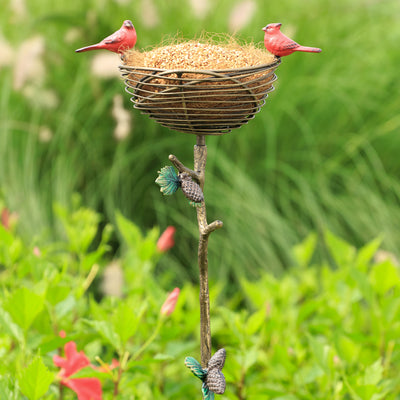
x,y
5,218
169,305
166,240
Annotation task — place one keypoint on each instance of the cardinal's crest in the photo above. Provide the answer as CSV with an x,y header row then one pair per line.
x,y
212,377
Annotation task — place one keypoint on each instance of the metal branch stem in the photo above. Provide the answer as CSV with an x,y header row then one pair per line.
x,y
200,158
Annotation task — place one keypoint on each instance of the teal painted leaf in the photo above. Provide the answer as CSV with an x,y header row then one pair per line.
x,y
168,180
195,367
207,393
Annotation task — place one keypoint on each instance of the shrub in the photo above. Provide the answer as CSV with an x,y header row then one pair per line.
x,y
328,331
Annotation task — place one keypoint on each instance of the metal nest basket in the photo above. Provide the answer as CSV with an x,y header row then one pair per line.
x,y
200,102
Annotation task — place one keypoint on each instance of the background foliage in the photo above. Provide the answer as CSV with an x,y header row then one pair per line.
x,y
321,154
317,332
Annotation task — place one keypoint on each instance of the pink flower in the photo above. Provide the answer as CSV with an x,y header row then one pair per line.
x,y
166,240
62,334
36,251
85,388
8,219
5,218
169,305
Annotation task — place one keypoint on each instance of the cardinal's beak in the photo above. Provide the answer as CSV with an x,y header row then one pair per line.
x,y
264,29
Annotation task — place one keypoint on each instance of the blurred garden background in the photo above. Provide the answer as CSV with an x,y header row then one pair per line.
x,y
318,163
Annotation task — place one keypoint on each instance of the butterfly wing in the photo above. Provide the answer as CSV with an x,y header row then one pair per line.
x,y
195,367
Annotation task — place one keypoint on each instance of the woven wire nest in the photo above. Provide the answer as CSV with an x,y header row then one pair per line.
x,y
197,101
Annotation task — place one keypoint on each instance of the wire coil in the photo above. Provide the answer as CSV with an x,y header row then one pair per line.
x,y
198,101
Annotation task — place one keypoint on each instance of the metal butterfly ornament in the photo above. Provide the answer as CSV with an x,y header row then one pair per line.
x,y
212,377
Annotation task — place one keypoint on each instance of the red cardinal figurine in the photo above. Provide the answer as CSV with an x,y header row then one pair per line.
x,y
121,40
280,45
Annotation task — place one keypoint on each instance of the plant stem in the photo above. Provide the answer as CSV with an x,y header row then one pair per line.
x,y
150,339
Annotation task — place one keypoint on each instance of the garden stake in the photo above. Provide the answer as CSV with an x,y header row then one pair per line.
x,y
200,158
201,102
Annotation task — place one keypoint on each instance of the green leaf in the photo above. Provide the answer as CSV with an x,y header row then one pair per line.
x,y
287,397
363,284
124,322
347,349
8,389
365,254
64,307
10,246
149,244
57,292
373,373
34,381
390,308
129,231
308,374
250,358
105,329
24,306
321,352
384,276
10,326
255,321
341,251
81,226
304,251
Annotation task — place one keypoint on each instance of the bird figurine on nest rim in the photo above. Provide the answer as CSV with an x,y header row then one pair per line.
x,y
280,45
121,40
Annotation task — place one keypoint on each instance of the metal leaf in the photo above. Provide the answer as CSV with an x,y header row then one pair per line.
x,y
207,394
195,367
168,180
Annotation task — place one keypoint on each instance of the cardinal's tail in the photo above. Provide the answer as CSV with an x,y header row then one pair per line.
x,y
308,49
88,48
